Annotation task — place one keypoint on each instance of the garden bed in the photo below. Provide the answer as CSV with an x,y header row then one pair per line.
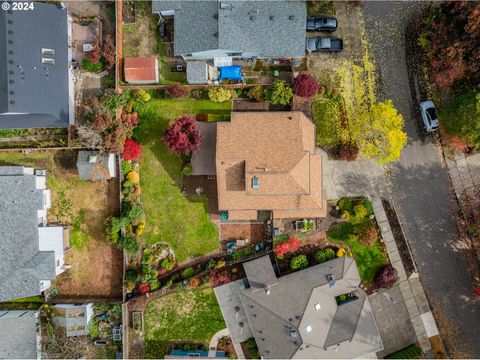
x,y
402,246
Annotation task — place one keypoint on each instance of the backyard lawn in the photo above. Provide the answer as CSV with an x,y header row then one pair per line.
x,y
171,217
186,315
84,206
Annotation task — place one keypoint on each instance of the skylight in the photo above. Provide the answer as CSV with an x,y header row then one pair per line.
x,y
255,182
308,328
47,51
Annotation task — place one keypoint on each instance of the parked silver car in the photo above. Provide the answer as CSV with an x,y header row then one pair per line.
x,y
429,115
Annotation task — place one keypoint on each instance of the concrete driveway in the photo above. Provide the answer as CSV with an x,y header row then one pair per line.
x,y
421,188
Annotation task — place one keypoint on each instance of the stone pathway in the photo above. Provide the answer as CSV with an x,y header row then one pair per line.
x,y
411,289
212,349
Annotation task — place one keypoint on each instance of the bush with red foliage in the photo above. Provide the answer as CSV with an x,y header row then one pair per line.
x,y
108,51
220,279
131,119
183,137
143,288
202,117
386,277
305,85
291,245
131,150
95,54
176,90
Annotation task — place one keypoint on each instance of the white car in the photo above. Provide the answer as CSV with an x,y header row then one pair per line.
x,y
429,115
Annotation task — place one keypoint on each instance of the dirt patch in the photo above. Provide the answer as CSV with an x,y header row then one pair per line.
x,y
140,38
249,105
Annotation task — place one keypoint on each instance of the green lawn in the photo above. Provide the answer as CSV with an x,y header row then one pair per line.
x,y
186,315
368,258
326,117
171,217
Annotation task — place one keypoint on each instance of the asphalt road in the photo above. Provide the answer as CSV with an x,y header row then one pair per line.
x,y
420,188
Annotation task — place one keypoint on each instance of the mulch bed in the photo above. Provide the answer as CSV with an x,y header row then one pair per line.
x,y
226,344
128,12
399,237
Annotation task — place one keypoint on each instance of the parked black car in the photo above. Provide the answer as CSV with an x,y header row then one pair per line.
x,y
324,44
327,24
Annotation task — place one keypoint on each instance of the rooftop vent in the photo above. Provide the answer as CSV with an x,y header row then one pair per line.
x,y
10,52
10,41
308,328
215,34
255,182
48,61
267,288
252,17
293,333
331,280
272,17
92,159
226,6
10,22
12,102
215,16
291,17
10,32
317,306
48,51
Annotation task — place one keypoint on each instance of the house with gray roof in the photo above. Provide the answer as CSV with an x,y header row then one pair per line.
x,y
297,315
236,29
20,334
31,253
36,86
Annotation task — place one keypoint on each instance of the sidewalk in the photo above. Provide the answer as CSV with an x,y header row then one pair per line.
x,y
464,173
411,289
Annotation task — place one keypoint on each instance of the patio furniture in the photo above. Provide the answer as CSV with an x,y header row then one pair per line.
x,y
276,231
230,244
87,48
117,333
241,242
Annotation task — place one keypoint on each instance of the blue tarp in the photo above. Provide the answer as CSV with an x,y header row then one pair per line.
x,y
233,72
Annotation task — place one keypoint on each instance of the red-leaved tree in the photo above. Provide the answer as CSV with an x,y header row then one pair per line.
x,y
176,90
131,150
305,85
183,137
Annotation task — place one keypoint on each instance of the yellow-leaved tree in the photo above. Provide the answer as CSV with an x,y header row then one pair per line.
x,y
378,132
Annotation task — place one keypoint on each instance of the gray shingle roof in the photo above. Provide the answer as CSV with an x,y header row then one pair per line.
x,y
18,335
268,28
197,72
39,92
290,308
22,266
203,161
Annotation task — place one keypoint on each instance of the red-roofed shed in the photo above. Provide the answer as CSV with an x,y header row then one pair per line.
x,y
141,70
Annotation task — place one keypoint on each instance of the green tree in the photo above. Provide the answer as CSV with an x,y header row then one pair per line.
x,y
219,94
279,93
378,132
461,117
